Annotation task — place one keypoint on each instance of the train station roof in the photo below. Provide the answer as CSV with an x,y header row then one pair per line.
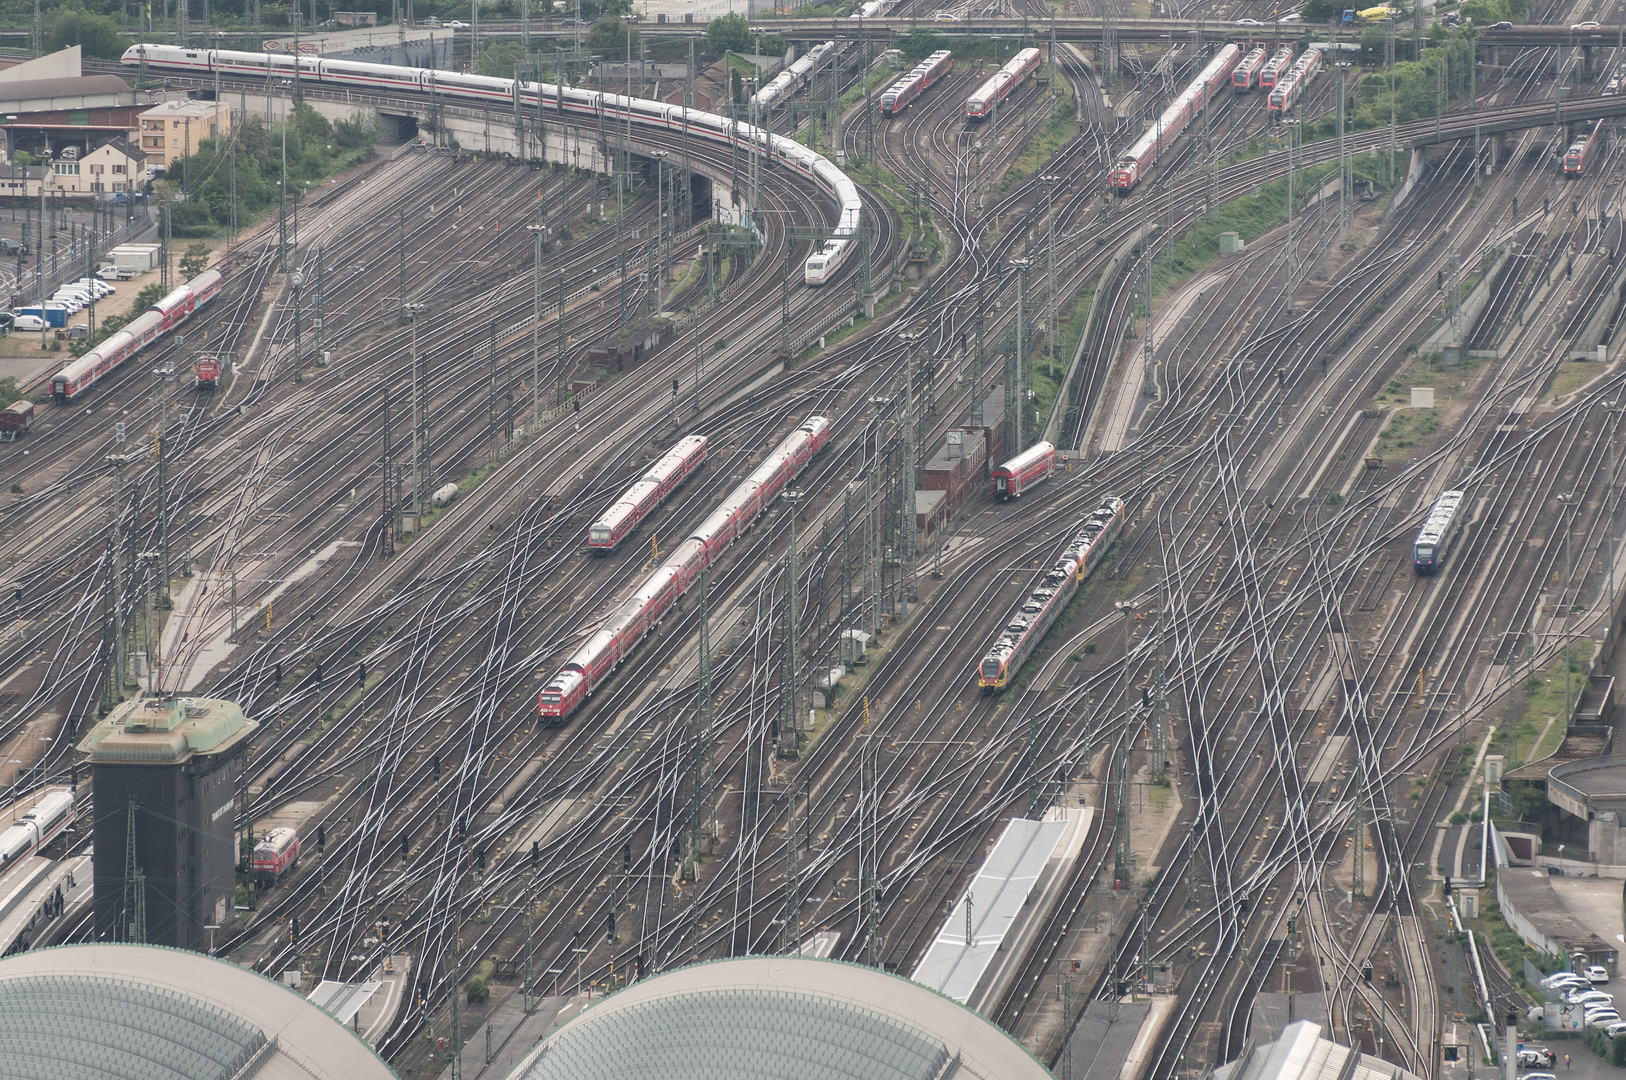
x,y
140,1012
760,1016
1300,1053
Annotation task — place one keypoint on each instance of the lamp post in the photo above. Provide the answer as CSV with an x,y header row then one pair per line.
x,y
297,280
1568,500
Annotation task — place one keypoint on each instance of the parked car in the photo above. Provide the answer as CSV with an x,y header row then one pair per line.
x,y
1588,25
1588,997
1537,1057
1597,974
95,285
1503,25
24,324
1615,1030
1249,22
1564,978
1603,1019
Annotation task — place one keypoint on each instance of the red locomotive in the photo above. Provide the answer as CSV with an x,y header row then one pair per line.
x,y
274,856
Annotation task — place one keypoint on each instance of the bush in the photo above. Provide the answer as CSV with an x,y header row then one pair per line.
x,y
16,488
477,990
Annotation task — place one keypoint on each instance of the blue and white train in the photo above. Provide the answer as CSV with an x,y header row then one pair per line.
x,y
1439,528
820,267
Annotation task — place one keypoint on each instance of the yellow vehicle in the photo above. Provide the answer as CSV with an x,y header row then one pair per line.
x,y
1375,14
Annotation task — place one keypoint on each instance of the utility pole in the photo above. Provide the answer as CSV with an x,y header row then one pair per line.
x,y
391,506
1342,69
1015,385
420,434
701,762
537,232
790,723
790,940
868,831
911,539
493,413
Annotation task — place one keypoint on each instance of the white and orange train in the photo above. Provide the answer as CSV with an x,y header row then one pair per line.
x,y
626,624
544,97
1045,603
156,321
1137,161
641,499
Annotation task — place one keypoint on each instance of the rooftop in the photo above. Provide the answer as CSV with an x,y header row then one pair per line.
x,y
777,1016
182,108
145,1013
167,731
1302,1054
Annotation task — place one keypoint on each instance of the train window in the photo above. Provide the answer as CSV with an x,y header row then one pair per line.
x,y
1425,551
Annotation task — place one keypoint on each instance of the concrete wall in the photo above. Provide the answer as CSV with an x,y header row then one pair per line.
x,y
1524,927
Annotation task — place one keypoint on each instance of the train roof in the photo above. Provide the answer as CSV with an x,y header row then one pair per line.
x,y
1440,516
1031,455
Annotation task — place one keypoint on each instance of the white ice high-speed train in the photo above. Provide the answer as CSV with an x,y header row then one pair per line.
x,y
546,96
790,80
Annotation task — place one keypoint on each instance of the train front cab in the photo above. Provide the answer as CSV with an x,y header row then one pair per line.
x,y
991,675
1425,559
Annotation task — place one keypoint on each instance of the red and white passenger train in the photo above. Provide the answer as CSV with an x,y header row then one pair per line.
x,y
641,499
156,321
895,101
1275,67
1031,466
1246,75
1139,158
1291,86
998,86
1580,152
627,623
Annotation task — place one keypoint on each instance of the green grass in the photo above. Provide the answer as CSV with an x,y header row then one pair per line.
x,y
1250,217
1405,428
872,81
1059,129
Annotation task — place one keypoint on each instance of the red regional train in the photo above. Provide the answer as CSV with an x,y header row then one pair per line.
x,y
897,97
1138,159
1031,466
1275,67
159,319
1295,82
1246,74
1580,152
998,86
626,624
642,498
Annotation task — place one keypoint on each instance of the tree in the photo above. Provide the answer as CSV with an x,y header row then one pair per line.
x,y
23,158
738,87
728,33
499,58
96,35
196,259
608,38
9,392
